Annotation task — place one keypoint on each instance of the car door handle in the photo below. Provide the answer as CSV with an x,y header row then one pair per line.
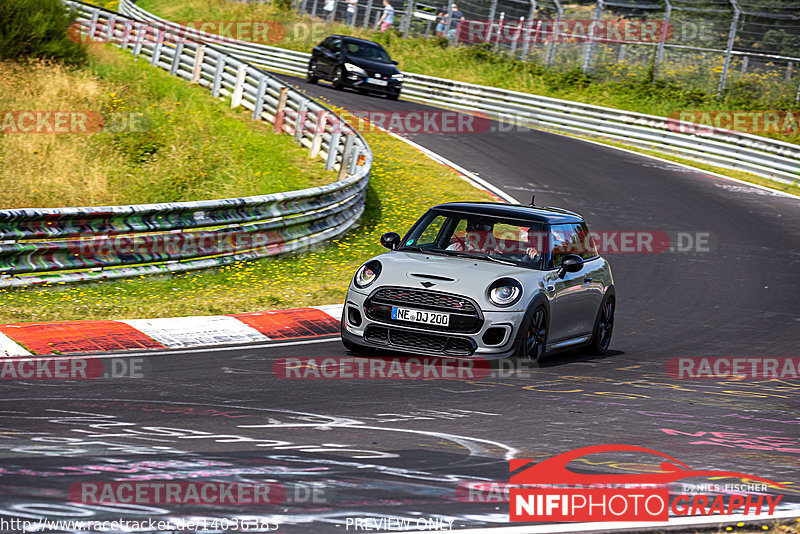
x,y
587,279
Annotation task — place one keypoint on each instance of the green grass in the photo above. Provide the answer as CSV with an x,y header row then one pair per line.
x,y
631,89
402,186
185,146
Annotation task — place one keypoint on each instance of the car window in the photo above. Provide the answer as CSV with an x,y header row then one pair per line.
x,y
479,236
431,232
368,51
570,239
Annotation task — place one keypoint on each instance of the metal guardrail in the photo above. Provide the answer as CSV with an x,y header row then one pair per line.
x,y
761,156
40,246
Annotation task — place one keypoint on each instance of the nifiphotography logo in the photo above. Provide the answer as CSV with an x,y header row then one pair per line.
x,y
548,491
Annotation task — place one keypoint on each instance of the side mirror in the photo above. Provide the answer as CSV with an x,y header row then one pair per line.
x,y
390,240
395,62
570,263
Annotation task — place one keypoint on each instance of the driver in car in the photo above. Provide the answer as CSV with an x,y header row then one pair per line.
x,y
476,239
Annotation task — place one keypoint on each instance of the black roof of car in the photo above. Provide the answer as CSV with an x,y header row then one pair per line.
x,y
347,38
540,214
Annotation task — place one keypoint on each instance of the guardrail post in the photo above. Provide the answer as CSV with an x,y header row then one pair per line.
x,y
300,122
199,57
347,157
93,23
280,111
526,40
258,106
238,87
137,47
500,23
409,14
176,59
316,143
729,48
588,51
333,146
492,11
110,27
662,40
743,66
367,14
157,49
126,35
221,59
559,13
789,67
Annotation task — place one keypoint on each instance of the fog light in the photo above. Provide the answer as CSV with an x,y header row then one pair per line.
x,y
354,316
494,335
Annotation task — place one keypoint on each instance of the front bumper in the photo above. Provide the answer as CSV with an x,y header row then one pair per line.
x,y
493,339
359,81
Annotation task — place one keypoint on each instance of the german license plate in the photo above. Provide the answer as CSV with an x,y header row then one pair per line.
x,y
420,316
373,81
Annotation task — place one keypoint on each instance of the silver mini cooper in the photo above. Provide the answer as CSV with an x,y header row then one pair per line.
x,y
484,279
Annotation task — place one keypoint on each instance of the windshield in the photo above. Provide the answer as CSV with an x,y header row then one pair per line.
x,y
478,237
368,51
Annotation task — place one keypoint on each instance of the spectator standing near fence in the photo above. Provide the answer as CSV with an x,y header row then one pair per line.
x,y
441,22
387,18
456,17
330,8
351,12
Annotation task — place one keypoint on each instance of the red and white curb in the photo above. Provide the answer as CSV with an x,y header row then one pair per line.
x,y
26,339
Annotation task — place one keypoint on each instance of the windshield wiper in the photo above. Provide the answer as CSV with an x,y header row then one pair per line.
x,y
498,260
439,251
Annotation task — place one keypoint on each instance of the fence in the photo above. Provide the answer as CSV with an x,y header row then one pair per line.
x,y
47,245
757,155
701,45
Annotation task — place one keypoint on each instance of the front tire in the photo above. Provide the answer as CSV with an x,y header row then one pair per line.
x,y
535,339
338,78
604,326
311,76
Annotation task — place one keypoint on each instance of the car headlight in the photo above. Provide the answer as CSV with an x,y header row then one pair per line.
x,y
505,292
354,68
367,274
397,77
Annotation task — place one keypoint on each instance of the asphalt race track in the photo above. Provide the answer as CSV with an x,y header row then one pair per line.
x,y
400,448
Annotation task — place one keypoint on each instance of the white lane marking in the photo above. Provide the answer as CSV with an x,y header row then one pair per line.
x,y
179,332
9,347
685,166
468,176
157,352
599,143
601,526
334,310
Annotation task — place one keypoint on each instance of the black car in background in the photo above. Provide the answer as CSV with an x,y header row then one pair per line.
x,y
357,63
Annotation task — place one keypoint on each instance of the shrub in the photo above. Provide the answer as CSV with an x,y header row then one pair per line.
x,y
38,29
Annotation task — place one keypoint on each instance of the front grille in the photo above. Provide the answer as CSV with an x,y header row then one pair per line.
x,y
465,317
433,300
416,340
422,341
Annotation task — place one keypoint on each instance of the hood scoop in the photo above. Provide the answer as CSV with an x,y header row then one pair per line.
x,y
432,277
